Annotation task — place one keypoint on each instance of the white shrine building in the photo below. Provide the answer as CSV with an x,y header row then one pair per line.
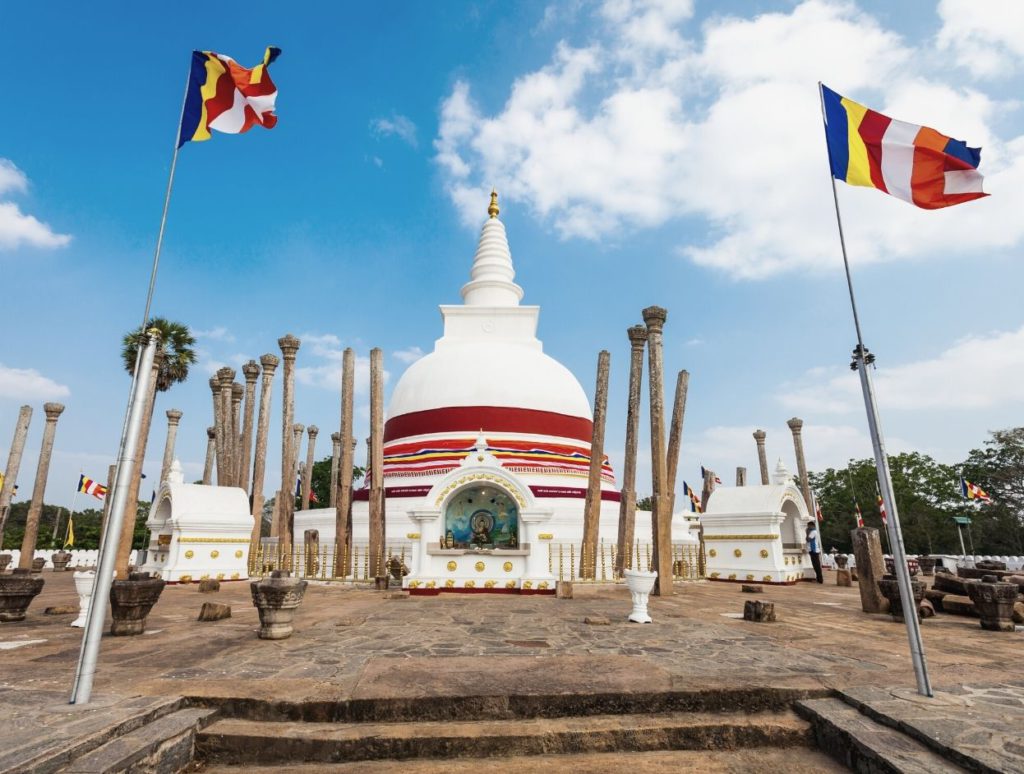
x,y
486,448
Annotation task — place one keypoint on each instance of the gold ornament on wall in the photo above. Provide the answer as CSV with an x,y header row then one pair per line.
x,y
767,578
712,553
527,584
489,584
234,576
470,584
449,584
737,553
510,584
214,553
238,554
507,567
732,576
479,566
452,567
750,576
189,554
185,579
764,553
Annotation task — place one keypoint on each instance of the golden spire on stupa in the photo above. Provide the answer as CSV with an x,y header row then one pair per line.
x,y
493,210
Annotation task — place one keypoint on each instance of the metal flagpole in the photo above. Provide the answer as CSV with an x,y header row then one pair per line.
x,y
861,360
56,526
81,691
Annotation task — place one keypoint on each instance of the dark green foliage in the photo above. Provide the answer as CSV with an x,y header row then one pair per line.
x,y
87,527
176,343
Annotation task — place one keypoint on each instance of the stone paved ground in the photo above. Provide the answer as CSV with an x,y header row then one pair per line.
x,y
351,642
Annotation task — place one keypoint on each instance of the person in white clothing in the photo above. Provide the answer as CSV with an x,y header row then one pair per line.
x,y
814,549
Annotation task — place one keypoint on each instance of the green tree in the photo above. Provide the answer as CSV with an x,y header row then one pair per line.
x,y
322,480
998,468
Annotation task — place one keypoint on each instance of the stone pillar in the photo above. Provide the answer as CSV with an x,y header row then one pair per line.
x,y
592,504
675,438
627,501
286,507
218,423
343,499
225,446
173,418
13,465
741,476
211,453
251,372
124,550
376,462
335,456
307,477
35,508
259,465
237,393
661,517
111,478
762,457
796,426
706,489
867,549
297,430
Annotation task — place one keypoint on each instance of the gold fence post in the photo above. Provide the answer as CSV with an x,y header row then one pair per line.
x,y
561,562
648,546
638,565
572,561
603,576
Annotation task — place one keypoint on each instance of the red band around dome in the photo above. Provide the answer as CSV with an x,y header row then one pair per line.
x,y
490,419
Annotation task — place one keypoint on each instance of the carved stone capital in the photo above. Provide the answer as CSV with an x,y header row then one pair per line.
x,y
269,363
237,392
215,385
654,318
289,346
53,410
637,336
796,425
312,430
226,377
173,416
760,435
211,433
251,371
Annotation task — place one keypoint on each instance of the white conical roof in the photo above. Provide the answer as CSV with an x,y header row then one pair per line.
x,y
491,278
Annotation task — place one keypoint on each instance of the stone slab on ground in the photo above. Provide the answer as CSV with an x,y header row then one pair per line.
x,y
209,586
957,605
978,727
214,611
748,588
794,760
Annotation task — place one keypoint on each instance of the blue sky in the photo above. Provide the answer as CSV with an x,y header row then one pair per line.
x,y
646,153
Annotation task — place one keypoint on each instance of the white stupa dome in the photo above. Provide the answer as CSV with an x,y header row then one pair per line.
x,y
489,370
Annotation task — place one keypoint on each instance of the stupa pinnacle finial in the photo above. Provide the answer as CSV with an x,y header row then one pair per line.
x,y
493,210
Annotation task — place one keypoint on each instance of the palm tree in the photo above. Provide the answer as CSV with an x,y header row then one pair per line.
x,y
174,355
176,345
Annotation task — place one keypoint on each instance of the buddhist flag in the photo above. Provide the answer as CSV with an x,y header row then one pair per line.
x,y
94,488
694,499
860,516
881,506
973,491
225,96
911,162
69,539
817,511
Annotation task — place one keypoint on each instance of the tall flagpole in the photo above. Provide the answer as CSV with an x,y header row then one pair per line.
x,y
81,690
861,360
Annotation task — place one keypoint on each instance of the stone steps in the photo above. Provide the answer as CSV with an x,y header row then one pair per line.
x,y
240,741
866,745
166,744
793,760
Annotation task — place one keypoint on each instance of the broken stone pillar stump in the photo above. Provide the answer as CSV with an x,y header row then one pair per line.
x,y
38,564
60,561
380,582
758,611
563,589
17,591
842,560
214,611
5,559
130,602
927,564
843,578
889,586
311,549
994,602
748,588
925,609
209,586
1018,612
867,550
949,583
276,598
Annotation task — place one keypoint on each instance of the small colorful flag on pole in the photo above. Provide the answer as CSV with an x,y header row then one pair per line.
x,y
69,538
694,498
881,505
312,496
860,516
703,474
817,511
911,162
973,491
94,488
225,96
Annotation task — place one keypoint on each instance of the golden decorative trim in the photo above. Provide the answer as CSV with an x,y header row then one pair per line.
x,y
479,566
235,576
715,574
527,584
507,567
737,553
510,584
214,553
750,576
213,540
741,537
542,585
712,553
189,554
238,553
220,576
767,578
449,584
414,584
163,540
732,576
764,553
452,566
489,584
545,536
431,584
470,478
185,579
470,584
412,535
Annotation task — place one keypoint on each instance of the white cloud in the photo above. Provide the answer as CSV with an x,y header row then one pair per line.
x,y
986,38
410,355
16,227
726,125
217,333
29,384
397,126
944,383
326,374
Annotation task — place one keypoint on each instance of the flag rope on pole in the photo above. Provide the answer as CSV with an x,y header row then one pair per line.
x,y
861,360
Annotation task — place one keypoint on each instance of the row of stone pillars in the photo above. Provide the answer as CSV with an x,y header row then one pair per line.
x,y
664,458
796,427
